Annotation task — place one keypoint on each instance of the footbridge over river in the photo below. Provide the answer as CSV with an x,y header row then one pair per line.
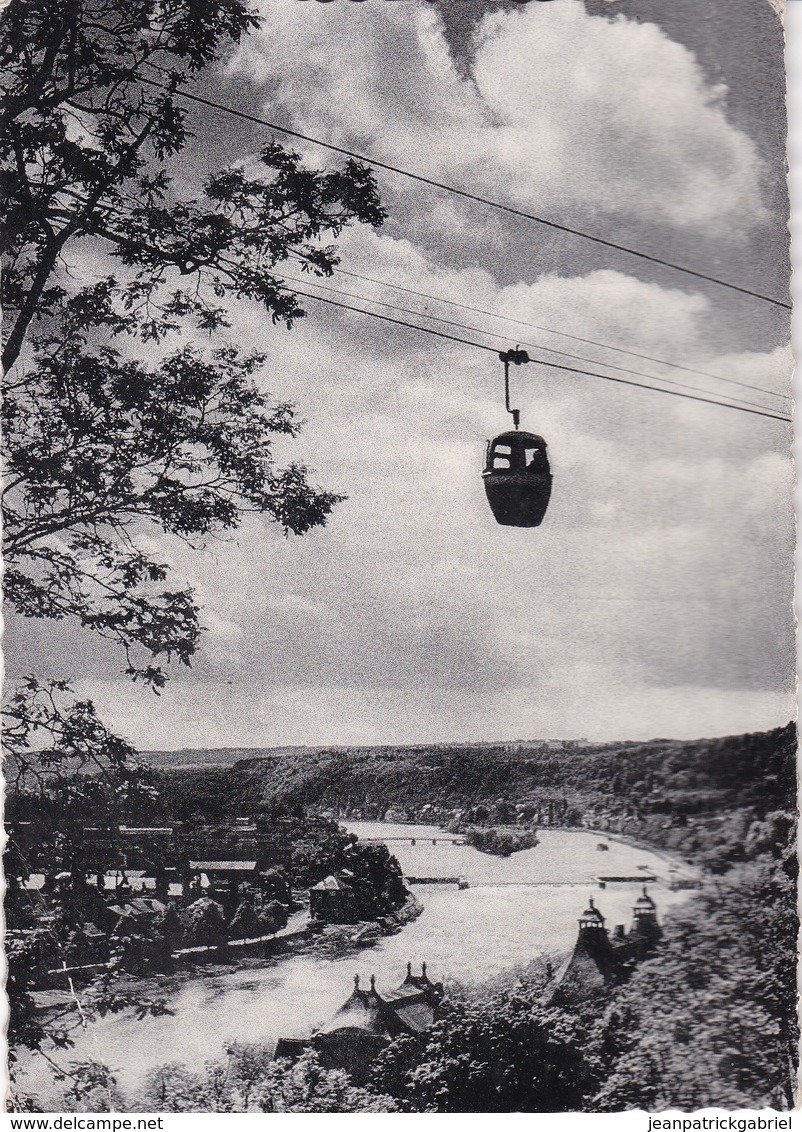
x,y
446,839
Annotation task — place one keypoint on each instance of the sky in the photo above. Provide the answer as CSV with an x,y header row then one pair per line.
x,y
655,599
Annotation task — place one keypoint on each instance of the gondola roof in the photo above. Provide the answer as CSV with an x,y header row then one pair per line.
x,y
518,436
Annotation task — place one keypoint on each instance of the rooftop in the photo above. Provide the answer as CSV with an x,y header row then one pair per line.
x,y
139,906
592,914
332,883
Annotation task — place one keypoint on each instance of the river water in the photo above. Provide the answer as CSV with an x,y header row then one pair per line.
x,y
516,909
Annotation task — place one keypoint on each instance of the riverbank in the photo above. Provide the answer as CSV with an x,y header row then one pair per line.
x,y
334,941
536,896
337,941
671,858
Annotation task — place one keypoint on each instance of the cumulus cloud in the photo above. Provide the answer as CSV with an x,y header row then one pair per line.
x,y
623,124
663,563
660,576
662,566
654,599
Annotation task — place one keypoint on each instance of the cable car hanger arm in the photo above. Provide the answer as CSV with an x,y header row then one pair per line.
x,y
518,357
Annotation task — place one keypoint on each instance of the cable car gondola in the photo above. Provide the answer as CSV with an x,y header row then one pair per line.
x,y
517,476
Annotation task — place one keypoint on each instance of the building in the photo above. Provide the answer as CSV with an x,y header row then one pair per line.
x,y
335,899
223,878
225,870
600,960
367,1022
136,914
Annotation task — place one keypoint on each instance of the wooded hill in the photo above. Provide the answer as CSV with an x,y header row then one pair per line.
x,y
698,796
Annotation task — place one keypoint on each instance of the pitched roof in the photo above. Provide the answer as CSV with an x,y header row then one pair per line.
x,y
139,906
147,904
402,994
583,976
332,883
409,1008
418,1016
364,1010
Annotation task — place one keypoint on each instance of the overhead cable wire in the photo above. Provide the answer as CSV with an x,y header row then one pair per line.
x,y
542,362
504,338
563,334
465,194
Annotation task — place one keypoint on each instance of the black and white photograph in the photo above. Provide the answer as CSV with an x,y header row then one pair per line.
x,y
398,536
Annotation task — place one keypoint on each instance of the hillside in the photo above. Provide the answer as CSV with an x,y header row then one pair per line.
x,y
670,792
195,758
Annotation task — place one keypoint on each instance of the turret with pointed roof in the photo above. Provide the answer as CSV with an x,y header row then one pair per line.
x,y
591,919
644,918
597,961
644,907
368,1021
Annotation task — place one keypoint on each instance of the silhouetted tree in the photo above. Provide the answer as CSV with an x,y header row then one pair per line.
x,y
98,441
109,431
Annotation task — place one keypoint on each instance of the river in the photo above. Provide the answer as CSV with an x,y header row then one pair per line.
x,y
516,909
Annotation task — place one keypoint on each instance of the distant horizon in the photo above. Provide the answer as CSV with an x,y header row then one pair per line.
x,y
459,742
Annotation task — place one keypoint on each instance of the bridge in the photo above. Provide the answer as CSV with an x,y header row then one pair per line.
x,y
448,840
463,883
641,878
459,881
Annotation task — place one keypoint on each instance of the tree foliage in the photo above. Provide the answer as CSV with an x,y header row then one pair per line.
x,y
509,1053
90,123
174,1088
710,1020
306,1086
249,1080
108,444
109,433
92,1088
116,438
626,787
48,736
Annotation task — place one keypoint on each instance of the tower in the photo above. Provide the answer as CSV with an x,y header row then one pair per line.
x,y
591,966
644,918
591,922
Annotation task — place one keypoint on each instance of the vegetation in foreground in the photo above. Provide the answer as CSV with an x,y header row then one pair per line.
x,y
708,1020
